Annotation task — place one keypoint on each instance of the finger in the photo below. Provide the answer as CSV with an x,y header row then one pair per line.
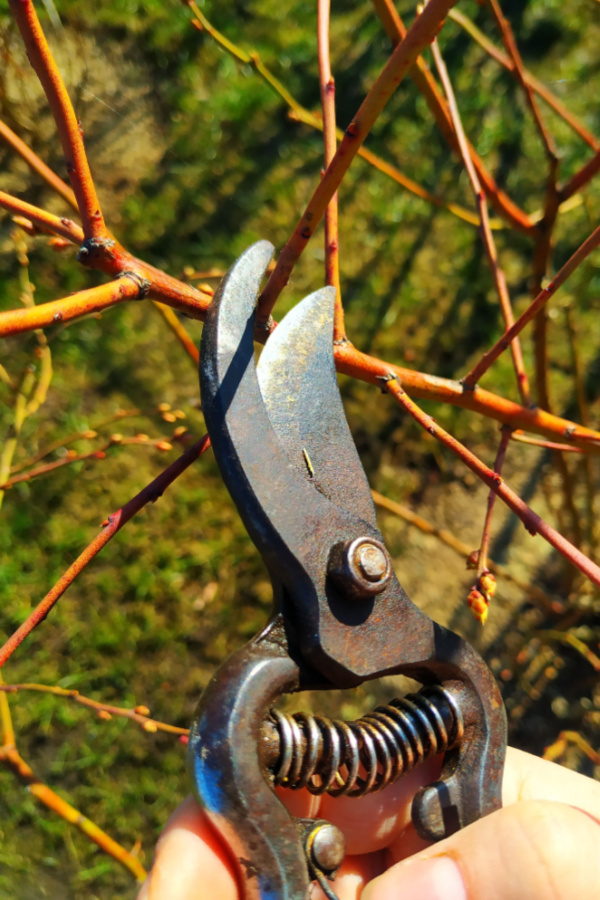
x,y
540,849
527,777
354,873
190,861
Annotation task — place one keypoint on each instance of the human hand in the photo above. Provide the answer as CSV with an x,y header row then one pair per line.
x,y
544,844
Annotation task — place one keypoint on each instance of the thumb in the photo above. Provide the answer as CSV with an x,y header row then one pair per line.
x,y
535,848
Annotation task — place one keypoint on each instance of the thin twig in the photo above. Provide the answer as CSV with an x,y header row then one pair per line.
x,y
37,165
533,523
510,45
581,177
180,332
490,48
418,37
567,637
112,525
69,128
555,750
98,453
542,298
87,434
547,445
11,759
327,89
138,714
446,537
485,230
482,558
590,484
42,219
426,84
299,113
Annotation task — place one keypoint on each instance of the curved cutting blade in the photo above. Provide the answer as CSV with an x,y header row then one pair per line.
x,y
258,473
296,374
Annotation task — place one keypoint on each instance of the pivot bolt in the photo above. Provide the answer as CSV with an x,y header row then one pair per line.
x,y
326,848
371,562
361,567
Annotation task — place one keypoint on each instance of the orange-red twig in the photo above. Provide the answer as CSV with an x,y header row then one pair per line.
x,y
113,524
559,108
559,279
485,229
482,558
179,331
426,84
547,445
350,361
42,219
580,178
139,714
533,523
69,129
511,48
38,165
327,87
417,38
11,759
94,300
463,550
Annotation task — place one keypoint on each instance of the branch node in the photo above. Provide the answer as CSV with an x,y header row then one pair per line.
x,y
142,283
94,248
385,379
265,324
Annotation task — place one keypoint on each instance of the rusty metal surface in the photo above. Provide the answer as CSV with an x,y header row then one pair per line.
x,y
298,382
288,460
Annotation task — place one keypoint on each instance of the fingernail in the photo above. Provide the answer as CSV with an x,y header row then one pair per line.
x,y
435,878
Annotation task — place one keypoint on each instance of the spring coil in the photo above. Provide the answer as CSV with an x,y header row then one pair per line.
x,y
328,756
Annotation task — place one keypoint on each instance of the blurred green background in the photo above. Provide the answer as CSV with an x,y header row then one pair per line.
x,y
194,158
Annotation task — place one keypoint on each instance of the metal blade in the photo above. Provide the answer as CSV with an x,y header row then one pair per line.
x,y
258,473
297,379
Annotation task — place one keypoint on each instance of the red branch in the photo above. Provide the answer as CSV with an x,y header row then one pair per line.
x,y
491,502
42,219
327,86
38,165
417,38
559,279
350,361
580,178
113,524
485,227
533,523
426,84
94,300
69,129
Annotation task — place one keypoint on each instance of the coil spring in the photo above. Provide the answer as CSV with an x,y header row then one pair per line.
x,y
360,757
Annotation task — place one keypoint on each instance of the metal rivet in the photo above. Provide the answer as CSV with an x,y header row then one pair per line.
x,y
327,847
361,568
372,562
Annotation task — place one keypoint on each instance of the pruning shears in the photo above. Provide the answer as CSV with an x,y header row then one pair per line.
x,y
340,616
